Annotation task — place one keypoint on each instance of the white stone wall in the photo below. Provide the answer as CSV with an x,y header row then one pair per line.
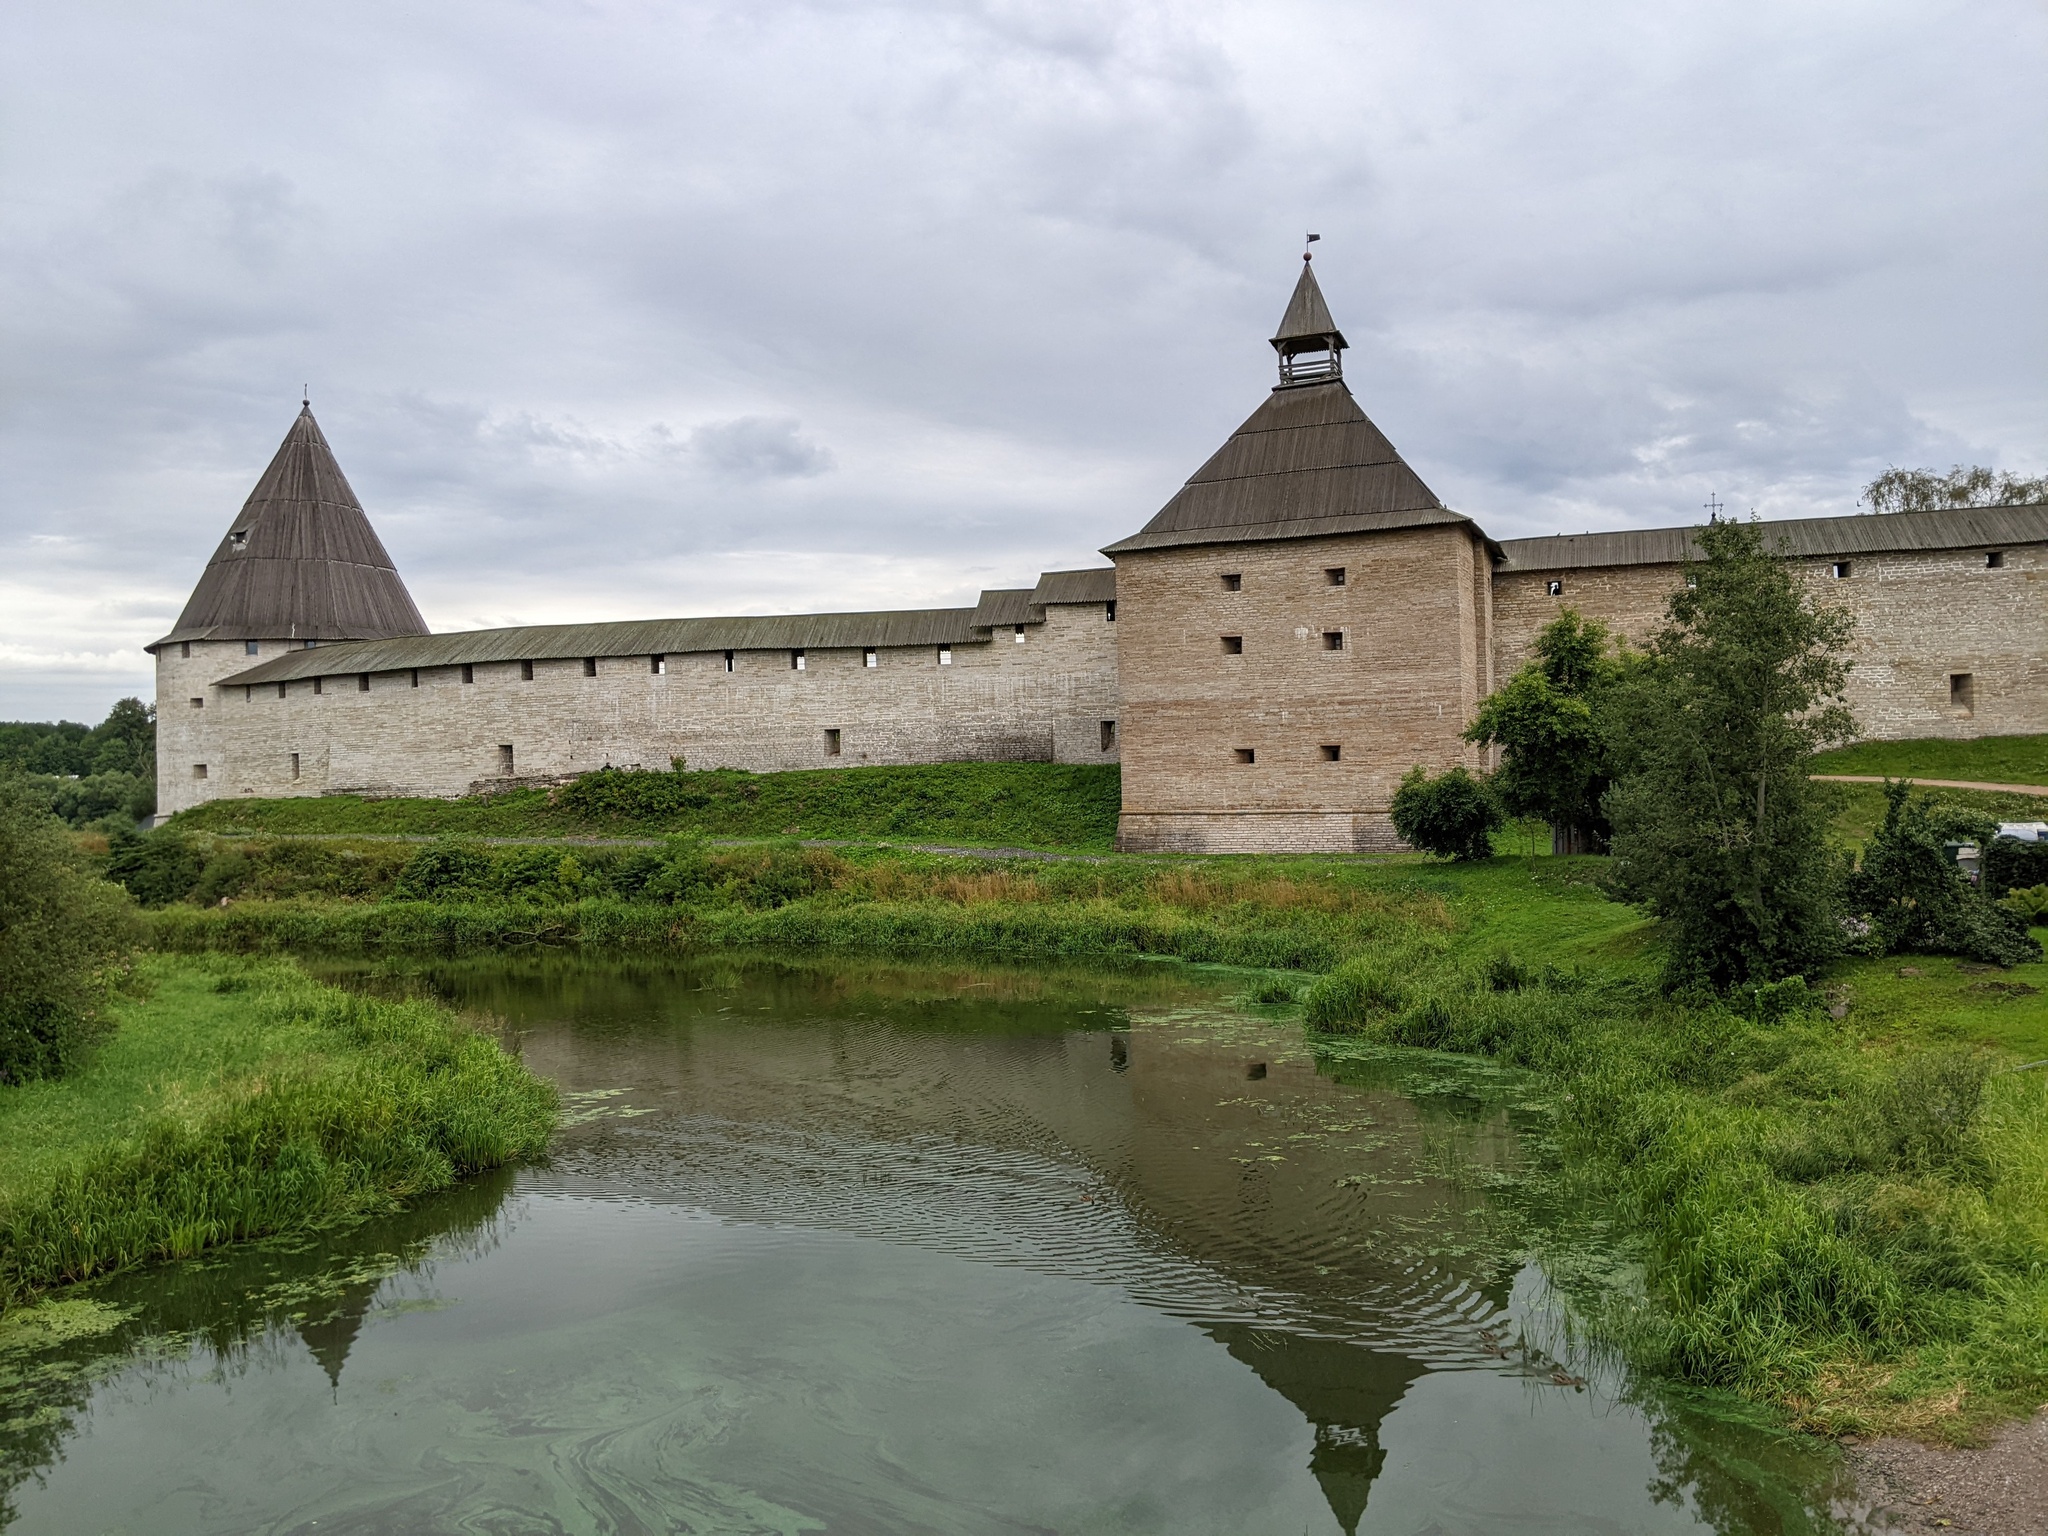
x,y
1045,698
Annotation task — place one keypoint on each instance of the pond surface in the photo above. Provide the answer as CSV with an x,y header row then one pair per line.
x,y
859,1248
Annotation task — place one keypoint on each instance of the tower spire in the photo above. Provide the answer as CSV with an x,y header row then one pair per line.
x,y
1311,347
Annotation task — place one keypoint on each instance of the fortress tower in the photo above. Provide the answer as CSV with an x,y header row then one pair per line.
x,y
1297,627
300,567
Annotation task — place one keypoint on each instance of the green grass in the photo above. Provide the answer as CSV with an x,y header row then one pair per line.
x,y
1029,805
1862,808
239,1098
1987,760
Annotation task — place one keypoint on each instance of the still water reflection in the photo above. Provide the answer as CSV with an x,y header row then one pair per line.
x,y
866,1248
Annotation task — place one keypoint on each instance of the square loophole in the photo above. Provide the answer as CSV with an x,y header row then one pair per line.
x,y
1331,752
1333,639
1243,755
1233,581
1333,575
1233,645
1962,690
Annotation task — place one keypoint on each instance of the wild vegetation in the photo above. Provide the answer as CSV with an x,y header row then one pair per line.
x,y
239,1098
65,940
1028,805
86,775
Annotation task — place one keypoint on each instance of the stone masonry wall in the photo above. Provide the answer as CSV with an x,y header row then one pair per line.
x,y
1410,670
1921,619
1046,698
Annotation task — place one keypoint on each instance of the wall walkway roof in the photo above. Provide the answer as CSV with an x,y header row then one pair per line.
x,y
1810,538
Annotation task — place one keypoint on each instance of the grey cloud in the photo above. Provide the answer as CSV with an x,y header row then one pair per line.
x,y
759,448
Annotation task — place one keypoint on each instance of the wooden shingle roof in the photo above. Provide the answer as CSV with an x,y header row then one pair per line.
x,y
1307,462
300,561
1808,538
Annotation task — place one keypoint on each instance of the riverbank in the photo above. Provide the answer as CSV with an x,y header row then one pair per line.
x,y
238,1098
1837,1197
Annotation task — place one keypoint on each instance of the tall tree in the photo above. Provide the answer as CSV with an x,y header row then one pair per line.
x,y
1546,721
1717,828
1966,485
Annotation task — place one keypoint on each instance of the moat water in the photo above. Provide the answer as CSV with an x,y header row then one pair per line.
x,y
860,1248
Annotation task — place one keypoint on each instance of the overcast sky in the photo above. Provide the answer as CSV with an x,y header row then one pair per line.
x,y
616,310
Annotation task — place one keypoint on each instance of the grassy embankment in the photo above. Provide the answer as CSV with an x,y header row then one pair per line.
x,y
1025,805
1987,760
1838,1198
238,1098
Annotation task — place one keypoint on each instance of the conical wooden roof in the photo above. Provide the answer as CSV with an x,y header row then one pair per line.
x,y
301,561
1308,317
1308,462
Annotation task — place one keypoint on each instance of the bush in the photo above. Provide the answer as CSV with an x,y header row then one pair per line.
x,y
445,869
64,939
2031,904
1917,899
156,869
1452,815
2010,863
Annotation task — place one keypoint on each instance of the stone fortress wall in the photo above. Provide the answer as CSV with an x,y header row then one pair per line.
x,y
1299,626
1043,690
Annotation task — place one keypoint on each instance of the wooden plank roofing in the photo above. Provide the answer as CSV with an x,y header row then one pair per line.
x,y
1094,585
300,561
1307,462
1809,538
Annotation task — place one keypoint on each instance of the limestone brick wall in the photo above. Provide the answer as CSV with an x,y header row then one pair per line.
x,y
1921,619
429,733
1398,693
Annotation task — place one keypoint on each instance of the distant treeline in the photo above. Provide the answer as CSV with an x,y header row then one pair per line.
x,y
88,774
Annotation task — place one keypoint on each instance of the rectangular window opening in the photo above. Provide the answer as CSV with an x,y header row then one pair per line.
x,y
1333,575
1233,645
199,770
251,648
307,645
945,655
239,538
468,673
1243,755
831,741
870,657
796,660
1109,735
1553,589
526,671
320,683
248,692
1109,611
295,765
1333,752
1333,639
658,665
1995,561
280,690
504,759
362,682
185,649
1020,634
1962,690
729,661
199,703
1233,581
590,666
1840,570
415,677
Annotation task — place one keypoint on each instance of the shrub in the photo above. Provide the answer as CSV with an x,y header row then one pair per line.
x,y
1917,898
2031,904
156,869
1452,815
2008,862
1353,995
445,869
64,939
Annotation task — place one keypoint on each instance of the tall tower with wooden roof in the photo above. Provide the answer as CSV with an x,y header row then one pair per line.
x,y
300,566
1298,626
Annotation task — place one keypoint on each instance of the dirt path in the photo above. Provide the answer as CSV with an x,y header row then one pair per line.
x,y
1879,778
2001,1490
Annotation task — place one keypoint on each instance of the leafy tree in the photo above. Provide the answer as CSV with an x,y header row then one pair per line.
x,y
1717,828
1924,490
156,870
65,937
1452,815
1915,896
1554,755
